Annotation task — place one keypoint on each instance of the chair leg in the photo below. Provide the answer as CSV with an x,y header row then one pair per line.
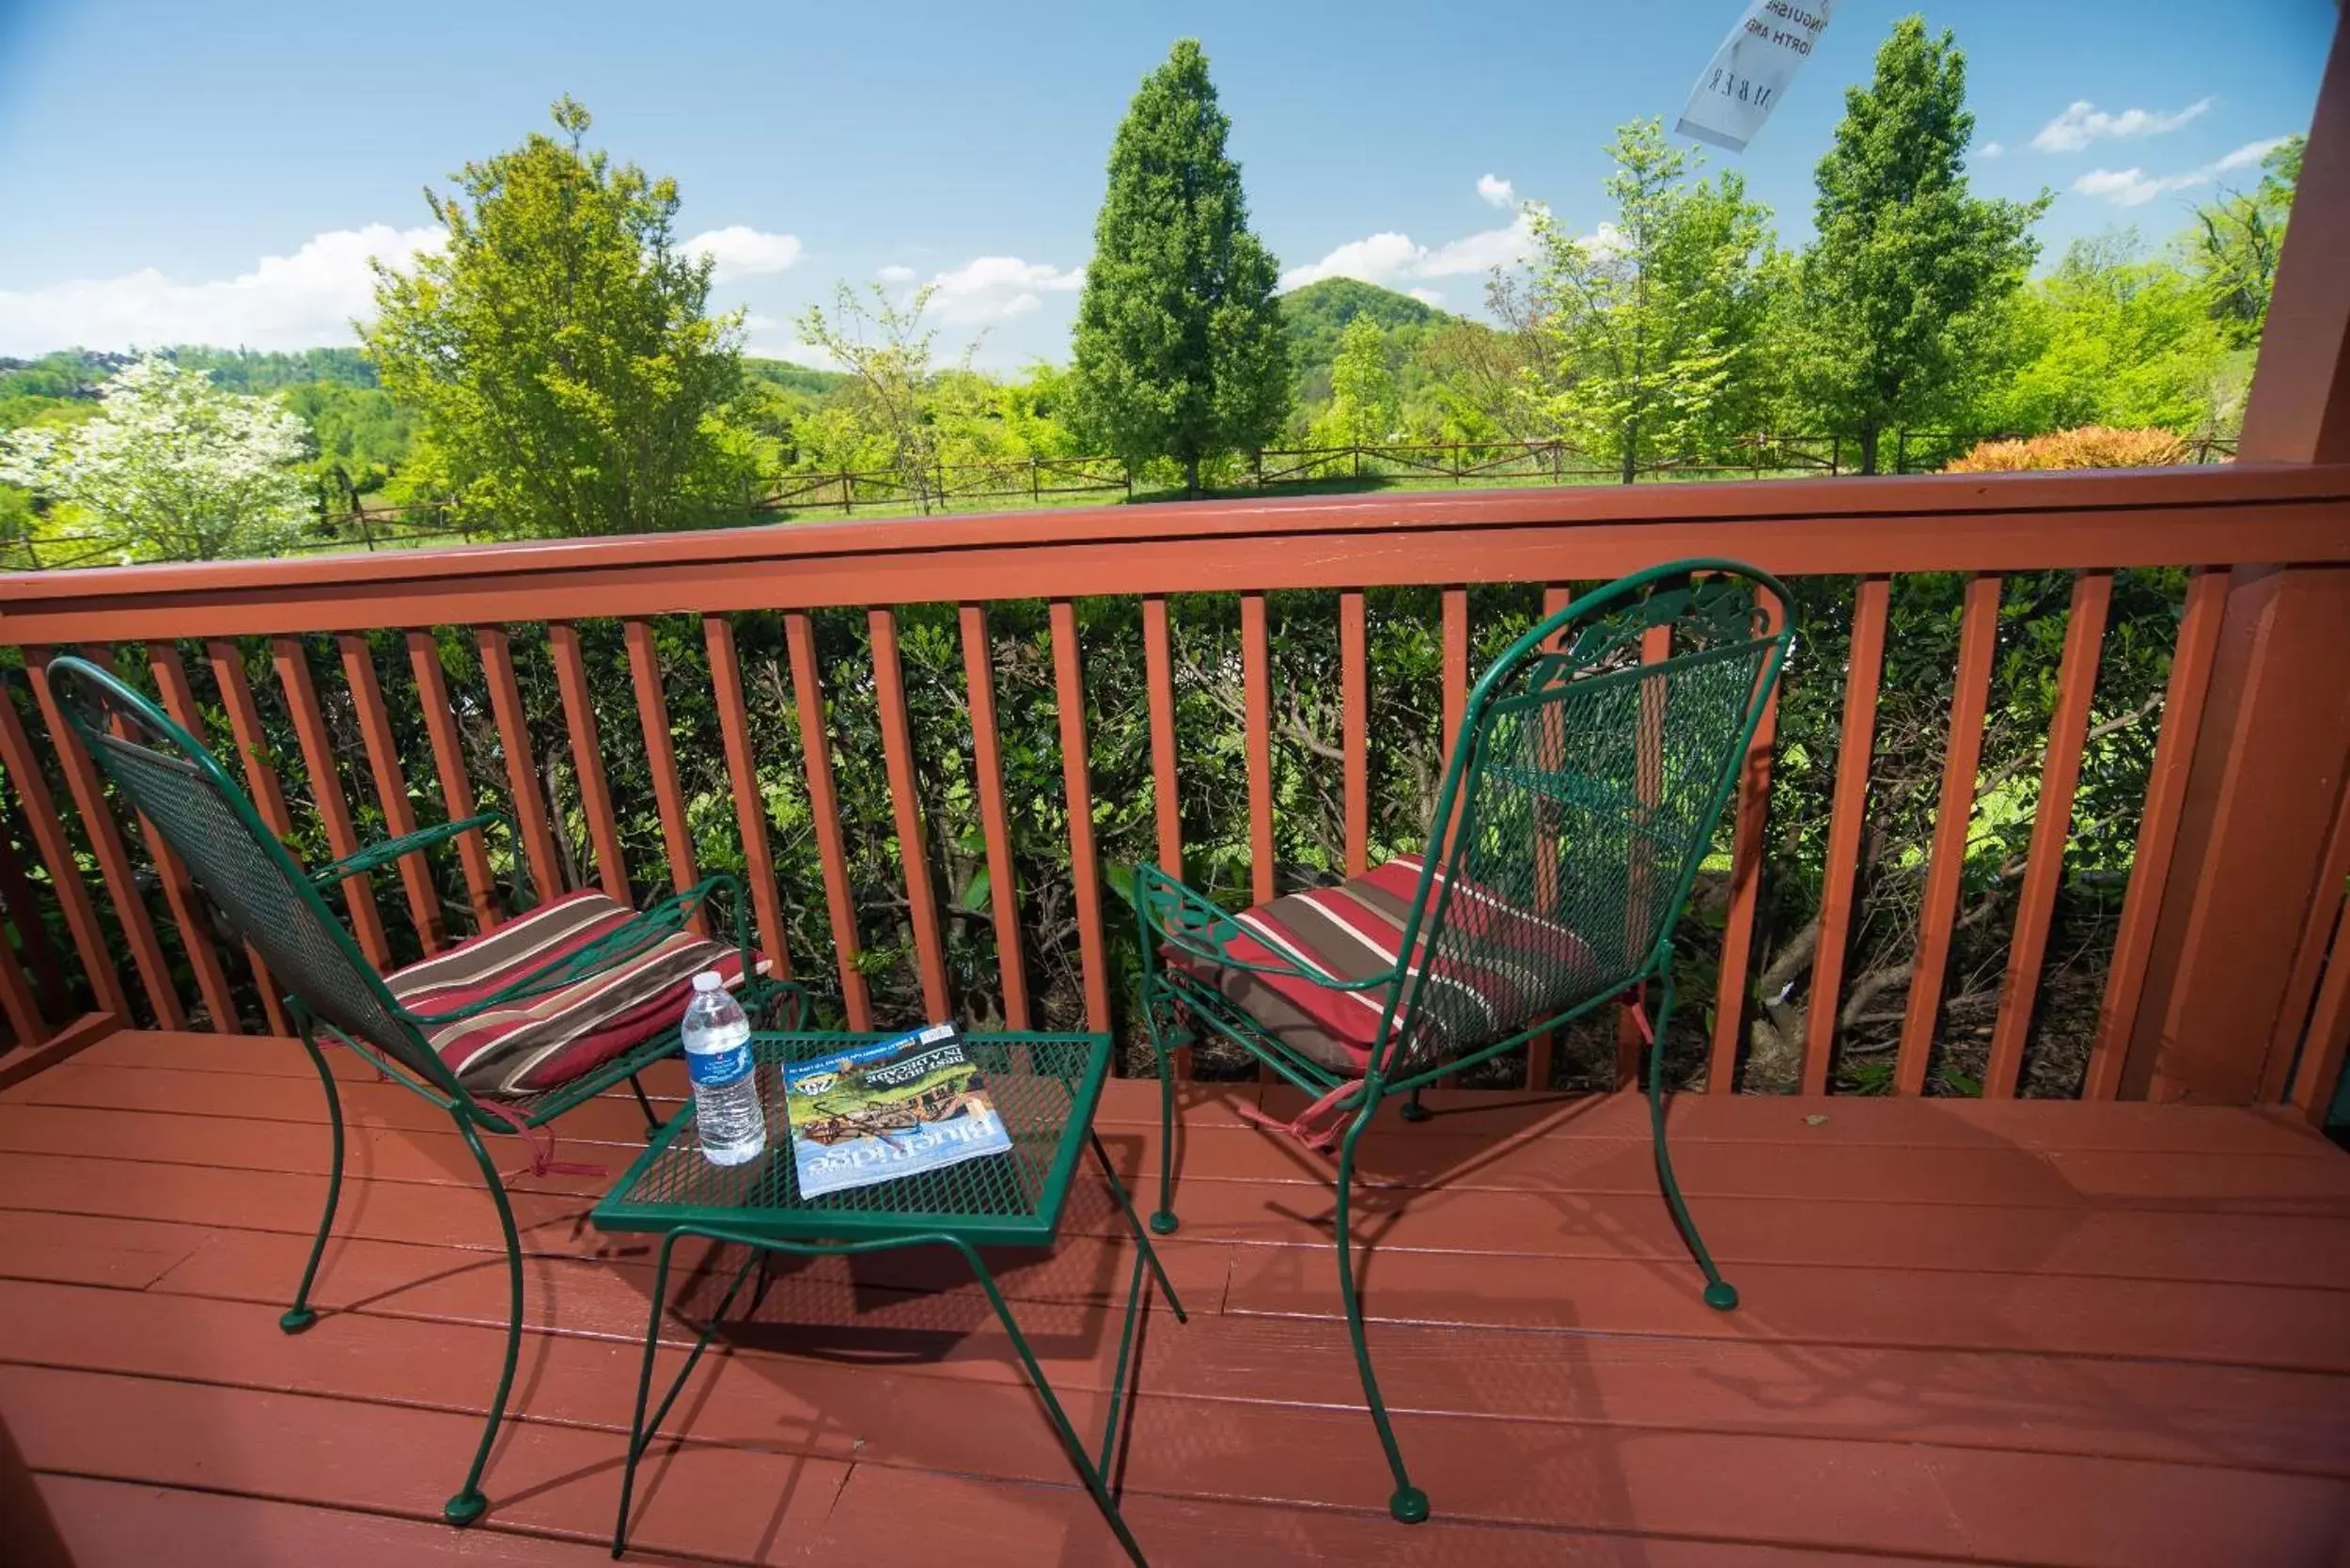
x,y
1720,1293
300,1315
1413,1110
653,1119
1408,1503
1163,1220
468,1504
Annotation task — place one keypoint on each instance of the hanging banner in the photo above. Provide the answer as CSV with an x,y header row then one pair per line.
x,y
1751,70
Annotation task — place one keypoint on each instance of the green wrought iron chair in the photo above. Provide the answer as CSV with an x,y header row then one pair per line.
x,y
505,1030
1584,790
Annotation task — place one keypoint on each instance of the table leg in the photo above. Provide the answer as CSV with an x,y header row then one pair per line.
x,y
640,1432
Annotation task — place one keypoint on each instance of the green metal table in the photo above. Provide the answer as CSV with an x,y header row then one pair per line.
x,y
1045,1088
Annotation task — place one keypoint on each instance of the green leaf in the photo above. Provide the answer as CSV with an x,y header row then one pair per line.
x,y
975,896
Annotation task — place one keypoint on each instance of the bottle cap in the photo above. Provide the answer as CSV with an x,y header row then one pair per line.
x,y
708,980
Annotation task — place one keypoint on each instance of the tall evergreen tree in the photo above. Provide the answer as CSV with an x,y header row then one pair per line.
x,y
1906,263
1179,350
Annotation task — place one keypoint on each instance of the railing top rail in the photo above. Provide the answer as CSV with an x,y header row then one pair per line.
x,y
2211,516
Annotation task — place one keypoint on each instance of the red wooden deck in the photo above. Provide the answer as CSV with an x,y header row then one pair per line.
x,y
2077,1333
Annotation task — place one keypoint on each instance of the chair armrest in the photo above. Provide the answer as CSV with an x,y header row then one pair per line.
x,y
388,850
1196,925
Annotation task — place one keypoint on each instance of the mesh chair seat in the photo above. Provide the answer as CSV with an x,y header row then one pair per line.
x,y
1354,930
540,1043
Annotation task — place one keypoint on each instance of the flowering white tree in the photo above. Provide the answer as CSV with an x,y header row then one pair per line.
x,y
173,468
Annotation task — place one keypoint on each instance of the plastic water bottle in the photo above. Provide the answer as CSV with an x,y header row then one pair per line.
x,y
726,1087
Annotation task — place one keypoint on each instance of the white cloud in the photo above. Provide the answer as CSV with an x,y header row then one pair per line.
x,y
1497,192
2135,187
1990,149
305,300
2083,122
1394,260
2249,155
742,251
996,288
1427,296
895,274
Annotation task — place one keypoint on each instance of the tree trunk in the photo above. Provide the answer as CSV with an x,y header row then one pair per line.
x,y
1191,476
1868,449
1631,450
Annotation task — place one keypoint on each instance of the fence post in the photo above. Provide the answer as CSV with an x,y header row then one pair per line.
x,y
1036,485
848,495
1835,456
1900,451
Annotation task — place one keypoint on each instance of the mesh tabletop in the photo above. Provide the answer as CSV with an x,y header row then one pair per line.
x,y
1044,1087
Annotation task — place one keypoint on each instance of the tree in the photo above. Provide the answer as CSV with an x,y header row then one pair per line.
x,y
1363,406
2236,240
559,352
1906,260
1648,318
2116,339
886,412
172,468
1179,350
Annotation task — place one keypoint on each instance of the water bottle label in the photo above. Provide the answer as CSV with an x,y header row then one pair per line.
x,y
711,1068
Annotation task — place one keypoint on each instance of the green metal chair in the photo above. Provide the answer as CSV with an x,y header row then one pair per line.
x,y
1590,771
573,953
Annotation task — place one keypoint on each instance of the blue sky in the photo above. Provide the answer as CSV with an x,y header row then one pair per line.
x,y
220,172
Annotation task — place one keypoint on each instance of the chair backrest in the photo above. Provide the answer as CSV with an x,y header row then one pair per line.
x,y
1592,764
254,879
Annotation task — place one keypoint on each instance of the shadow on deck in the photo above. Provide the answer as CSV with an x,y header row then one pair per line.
x,y
2048,1333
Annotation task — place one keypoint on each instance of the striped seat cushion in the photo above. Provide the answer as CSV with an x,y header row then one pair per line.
x,y
543,1042
1525,968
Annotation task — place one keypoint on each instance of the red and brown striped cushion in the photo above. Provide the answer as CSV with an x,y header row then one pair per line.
x,y
543,1042
1525,967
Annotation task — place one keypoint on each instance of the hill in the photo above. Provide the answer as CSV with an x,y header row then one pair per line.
x,y
1319,312
793,378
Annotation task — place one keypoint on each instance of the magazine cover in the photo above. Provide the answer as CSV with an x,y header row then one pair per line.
x,y
894,1109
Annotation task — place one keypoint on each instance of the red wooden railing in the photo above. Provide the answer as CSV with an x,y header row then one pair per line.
x,y
2206,519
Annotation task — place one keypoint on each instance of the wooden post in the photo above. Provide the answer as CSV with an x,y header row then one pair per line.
x,y
2270,757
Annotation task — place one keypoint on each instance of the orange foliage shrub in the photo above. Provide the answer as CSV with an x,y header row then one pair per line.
x,y
2090,446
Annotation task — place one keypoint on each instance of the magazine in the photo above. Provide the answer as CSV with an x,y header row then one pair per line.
x,y
894,1109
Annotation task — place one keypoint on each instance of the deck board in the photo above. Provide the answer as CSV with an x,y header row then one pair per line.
x,y
2108,1334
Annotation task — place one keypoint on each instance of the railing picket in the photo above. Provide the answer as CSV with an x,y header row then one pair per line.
x,y
1745,883
391,785
2327,1038
1159,675
595,793
211,981
1355,727
2317,931
823,805
1456,671
1847,816
522,771
114,859
1003,887
40,957
326,793
1656,646
2191,661
890,692
27,1026
1256,723
171,679
652,717
448,761
65,868
1539,1050
750,812
2051,830
1978,641
1076,773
